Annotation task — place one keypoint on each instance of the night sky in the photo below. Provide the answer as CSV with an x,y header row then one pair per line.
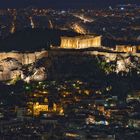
x,y
64,3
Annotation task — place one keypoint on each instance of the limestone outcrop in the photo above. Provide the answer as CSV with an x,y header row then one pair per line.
x,y
39,66
15,65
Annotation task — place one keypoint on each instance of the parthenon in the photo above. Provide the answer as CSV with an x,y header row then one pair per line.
x,y
80,42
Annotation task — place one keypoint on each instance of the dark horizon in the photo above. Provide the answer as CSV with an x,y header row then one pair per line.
x,y
64,3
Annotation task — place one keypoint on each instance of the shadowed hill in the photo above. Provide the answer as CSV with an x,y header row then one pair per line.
x,y
33,39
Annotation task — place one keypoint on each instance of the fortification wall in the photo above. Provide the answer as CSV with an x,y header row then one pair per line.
x,y
24,58
4,55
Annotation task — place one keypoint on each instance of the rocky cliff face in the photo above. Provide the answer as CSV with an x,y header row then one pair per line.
x,y
55,64
12,65
93,63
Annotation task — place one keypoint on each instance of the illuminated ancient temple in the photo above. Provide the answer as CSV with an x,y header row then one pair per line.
x,y
80,42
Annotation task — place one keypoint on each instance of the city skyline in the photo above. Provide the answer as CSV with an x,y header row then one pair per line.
x,y
65,3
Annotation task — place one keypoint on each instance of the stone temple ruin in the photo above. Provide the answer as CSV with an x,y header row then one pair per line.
x,y
80,42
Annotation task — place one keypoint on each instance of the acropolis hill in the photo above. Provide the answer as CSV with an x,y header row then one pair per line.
x,y
71,58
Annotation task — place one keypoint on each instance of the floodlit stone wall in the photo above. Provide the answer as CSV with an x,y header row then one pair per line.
x,y
23,58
